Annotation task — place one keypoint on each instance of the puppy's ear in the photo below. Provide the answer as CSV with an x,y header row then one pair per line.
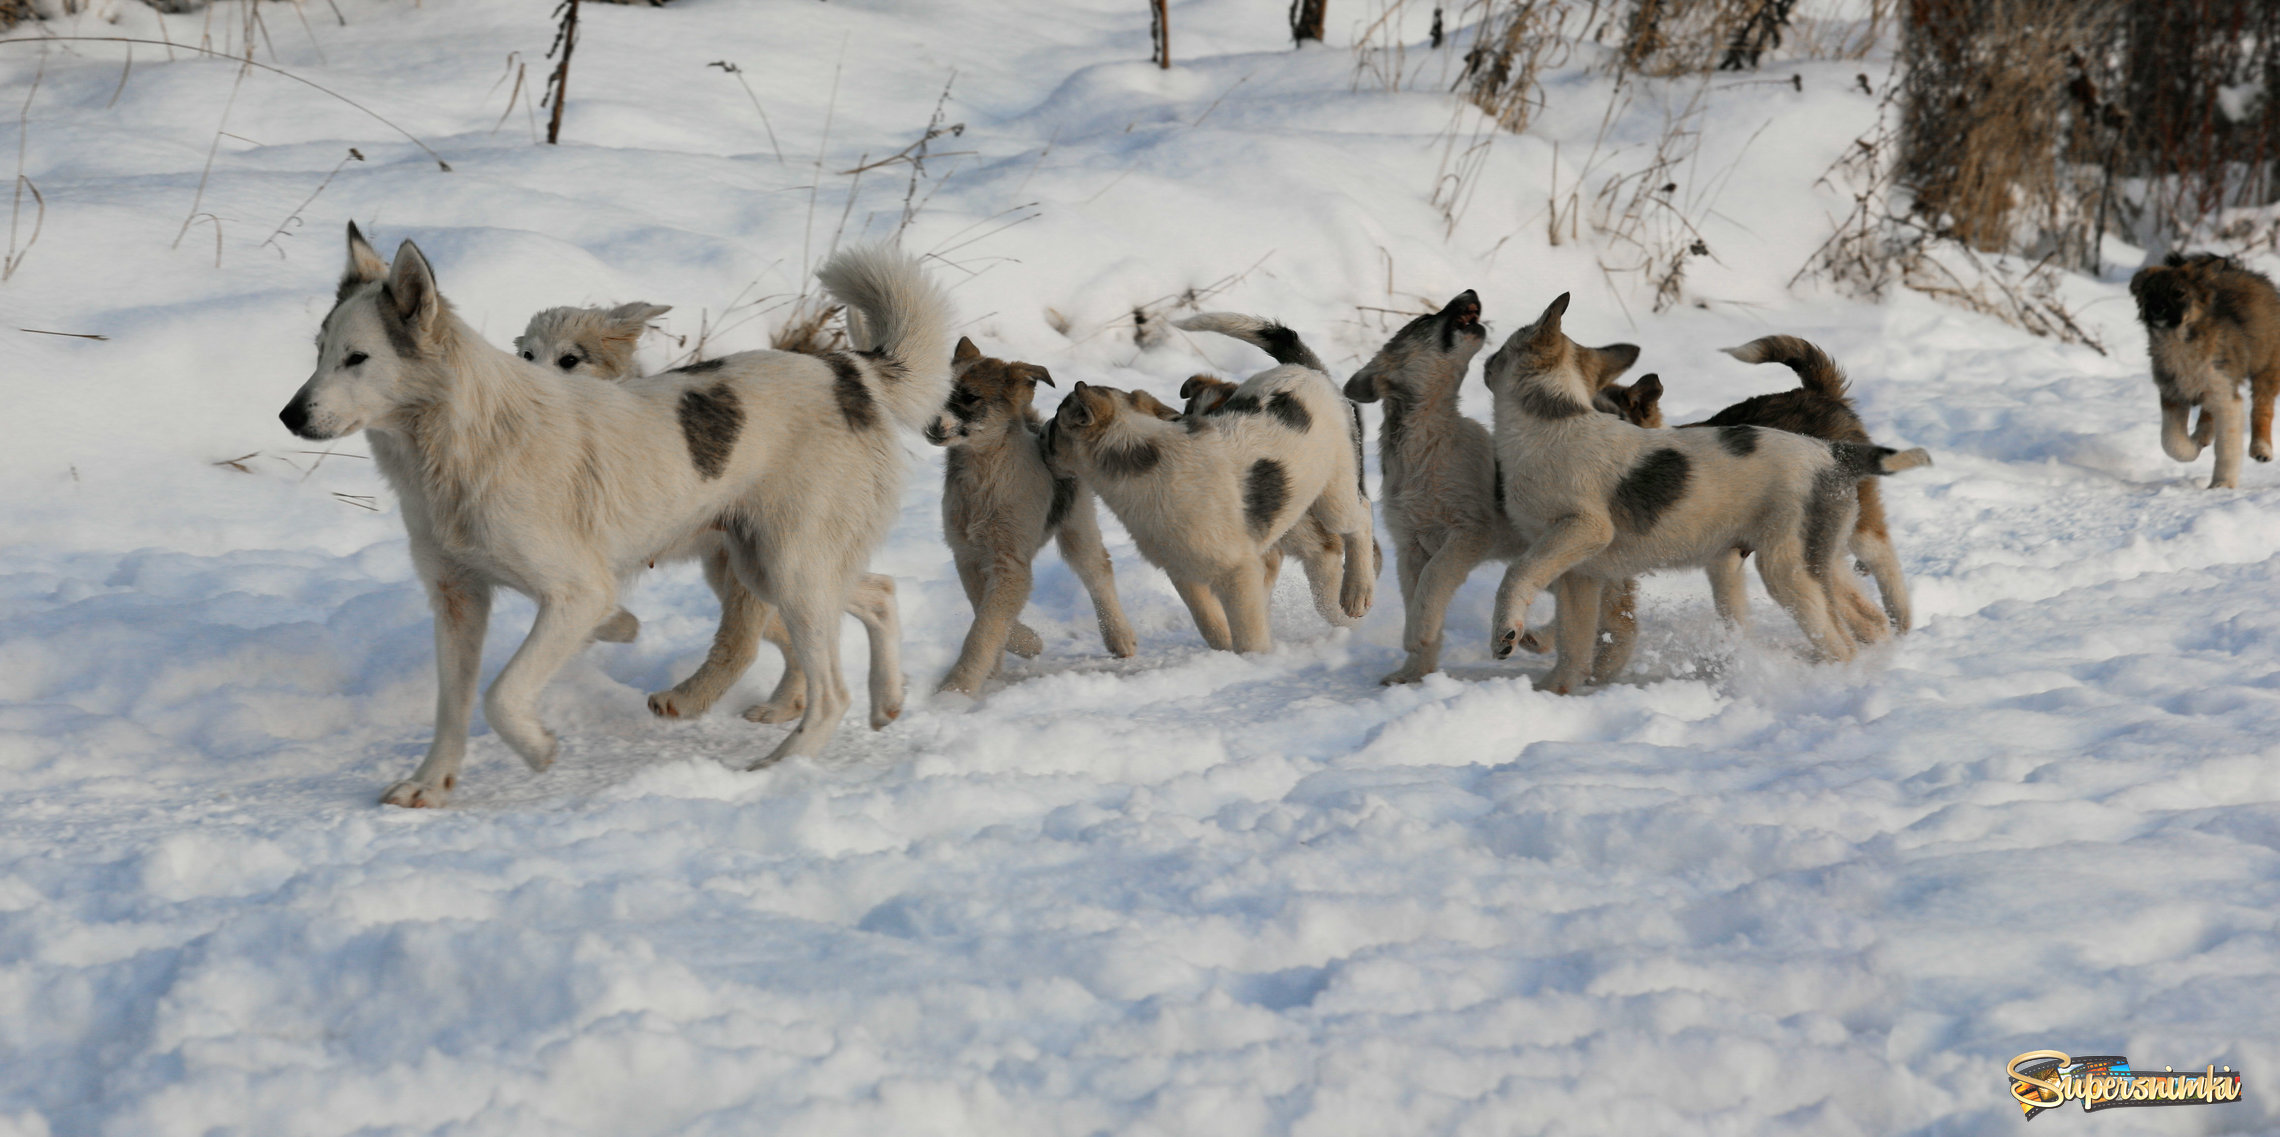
x,y
1077,409
637,314
1646,400
364,263
1146,403
1194,383
411,287
1363,388
1035,375
965,352
2138,281
1548,324
1612,360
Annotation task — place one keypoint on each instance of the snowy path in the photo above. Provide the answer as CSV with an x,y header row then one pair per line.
x,y
1185,894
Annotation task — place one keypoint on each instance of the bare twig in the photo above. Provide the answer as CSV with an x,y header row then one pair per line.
x,y
16,256
733,69
68,335
294,218
558,84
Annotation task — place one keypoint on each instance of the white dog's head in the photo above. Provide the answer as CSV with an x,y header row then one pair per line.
x,y
386,323
588,341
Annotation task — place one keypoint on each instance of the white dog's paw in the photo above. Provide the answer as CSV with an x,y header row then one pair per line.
x,y
537,746
781,710
1408,673
419,795
1120,642
620,628
677,704
2261,449
885,713
1507,639
1024,641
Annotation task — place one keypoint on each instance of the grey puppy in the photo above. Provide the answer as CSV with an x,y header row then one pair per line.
x,y
1000,504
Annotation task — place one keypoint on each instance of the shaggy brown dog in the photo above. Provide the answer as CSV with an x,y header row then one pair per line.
x,y
2210,325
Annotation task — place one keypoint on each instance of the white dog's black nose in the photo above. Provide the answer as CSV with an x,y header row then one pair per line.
x,y
295,416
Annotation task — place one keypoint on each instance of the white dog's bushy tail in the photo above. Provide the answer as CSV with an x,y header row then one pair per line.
x,y
1815,370
896,313
1266,335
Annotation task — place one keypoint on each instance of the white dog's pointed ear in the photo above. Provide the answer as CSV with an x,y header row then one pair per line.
x,y
411,287
364,263
1549,322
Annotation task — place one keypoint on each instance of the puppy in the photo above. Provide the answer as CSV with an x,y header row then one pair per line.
x,y
1444,497
1817,408
1000,505
1601,500
2210,325
511,476
599,343
1205,498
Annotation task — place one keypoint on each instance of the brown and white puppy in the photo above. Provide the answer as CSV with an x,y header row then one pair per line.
x,y
1444,498
2211,325
1817,408
1000,505
600,343
1206,498
1601,500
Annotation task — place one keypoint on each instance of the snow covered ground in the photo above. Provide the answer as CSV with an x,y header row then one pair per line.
x,y
1186,894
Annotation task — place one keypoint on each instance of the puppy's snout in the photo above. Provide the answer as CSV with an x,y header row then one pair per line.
x,y
295,416
936,433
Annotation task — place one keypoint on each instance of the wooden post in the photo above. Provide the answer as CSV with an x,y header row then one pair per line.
x,y
558,85
1306,18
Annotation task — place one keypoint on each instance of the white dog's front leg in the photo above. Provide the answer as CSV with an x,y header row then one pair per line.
x,y
1569,541
462,614
2226,410
564,618
811,624
1577,635
2178,439
873,602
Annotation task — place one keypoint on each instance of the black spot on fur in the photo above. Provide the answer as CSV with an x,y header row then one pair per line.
x,y
890,369
1064,492
699,368
1244,404
400,338
1536,402
853,395
1739,441
1128,461
1286,407
1650,489
965,405
711,421
1499,467
1857,460
1284,346
1266,490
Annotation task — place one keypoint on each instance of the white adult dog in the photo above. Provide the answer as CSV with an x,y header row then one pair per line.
x,y
512,475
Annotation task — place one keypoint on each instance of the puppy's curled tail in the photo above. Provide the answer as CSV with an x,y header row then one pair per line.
x,y
899,317
1266,335
1862,460
1815,370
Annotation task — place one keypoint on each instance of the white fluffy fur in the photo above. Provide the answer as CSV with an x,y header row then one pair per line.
x,y
513,475
600,342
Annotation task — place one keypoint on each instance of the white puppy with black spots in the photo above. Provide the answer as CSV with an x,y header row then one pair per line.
x,y
1206,497
1600,501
